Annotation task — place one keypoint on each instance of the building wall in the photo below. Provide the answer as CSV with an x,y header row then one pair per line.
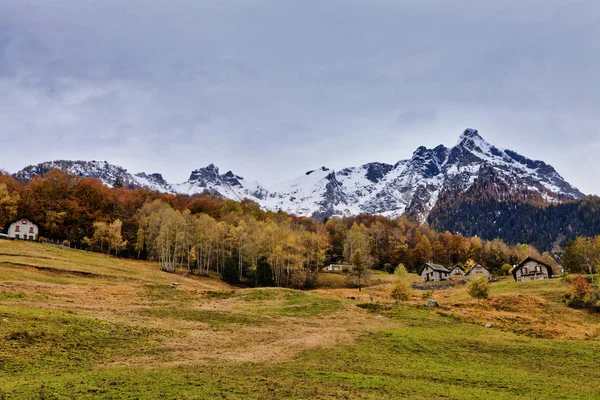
x,y
429,274
457,271
478,270
528,272
23,229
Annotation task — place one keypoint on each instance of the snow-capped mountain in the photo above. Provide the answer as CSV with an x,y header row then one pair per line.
x,y
415,185
228,185
412,185
101,170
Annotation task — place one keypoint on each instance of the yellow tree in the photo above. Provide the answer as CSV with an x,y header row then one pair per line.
x,y
115,239
100,234
9,202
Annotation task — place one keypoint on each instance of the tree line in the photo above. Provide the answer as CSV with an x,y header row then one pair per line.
x,y
204,234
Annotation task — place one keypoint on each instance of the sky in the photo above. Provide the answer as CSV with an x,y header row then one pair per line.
x,y
273,88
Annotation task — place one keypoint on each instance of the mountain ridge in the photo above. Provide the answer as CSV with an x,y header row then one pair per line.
x,y
413,185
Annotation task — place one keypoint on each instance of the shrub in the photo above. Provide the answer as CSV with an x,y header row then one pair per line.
x,y
582,294
567,278
580,287
401,291
331,281
401,271
479,288
505,269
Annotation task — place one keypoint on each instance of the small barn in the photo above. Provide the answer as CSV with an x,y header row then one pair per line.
x,y
531,269
478,270
433,272
457,271
23,229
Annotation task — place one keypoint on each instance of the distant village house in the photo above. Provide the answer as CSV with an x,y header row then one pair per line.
x,y
478,270
457,271
531,269
433,272
338,268
23,229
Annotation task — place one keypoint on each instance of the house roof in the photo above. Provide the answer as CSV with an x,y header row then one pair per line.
x,y
435,267
518,267
475,267
457,266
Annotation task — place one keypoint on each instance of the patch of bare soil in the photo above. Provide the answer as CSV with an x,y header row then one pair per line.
x,y
274,339
280,340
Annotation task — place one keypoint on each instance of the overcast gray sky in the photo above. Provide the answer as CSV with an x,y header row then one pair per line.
x,y
272,88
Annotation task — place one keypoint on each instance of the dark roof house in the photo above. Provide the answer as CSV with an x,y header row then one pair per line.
x,y
532,269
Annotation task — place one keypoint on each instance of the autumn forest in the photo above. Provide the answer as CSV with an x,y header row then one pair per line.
x,y
204,234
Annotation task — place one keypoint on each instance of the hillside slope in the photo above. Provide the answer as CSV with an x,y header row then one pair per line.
x,y
84,325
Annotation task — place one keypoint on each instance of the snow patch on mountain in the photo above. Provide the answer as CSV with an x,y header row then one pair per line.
x,y
413,185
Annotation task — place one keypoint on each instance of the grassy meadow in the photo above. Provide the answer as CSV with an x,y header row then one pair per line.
x,y
75,324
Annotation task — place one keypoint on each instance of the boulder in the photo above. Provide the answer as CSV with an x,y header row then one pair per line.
x,y
431,303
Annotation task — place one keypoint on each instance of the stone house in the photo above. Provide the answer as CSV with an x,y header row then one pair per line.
x,y
23,229
478,270
531,269
457,271
433,272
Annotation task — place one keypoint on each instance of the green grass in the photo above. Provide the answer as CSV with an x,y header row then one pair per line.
x,y
37,341
166,293
290,303
219,294
216,319
55,345
429,357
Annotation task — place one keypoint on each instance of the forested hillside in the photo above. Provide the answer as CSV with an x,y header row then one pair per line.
x,y
239,240
489,209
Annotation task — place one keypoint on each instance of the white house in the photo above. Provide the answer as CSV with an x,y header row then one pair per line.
x,y
23,229
338,268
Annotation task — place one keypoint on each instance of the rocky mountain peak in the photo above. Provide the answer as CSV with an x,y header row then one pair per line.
x,y
414,185
472,140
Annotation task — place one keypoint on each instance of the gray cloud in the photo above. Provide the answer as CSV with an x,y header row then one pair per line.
x,y
271,89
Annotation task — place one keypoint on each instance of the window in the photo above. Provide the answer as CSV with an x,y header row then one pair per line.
x,y
18,236
524,270
17,228
31,230
24,222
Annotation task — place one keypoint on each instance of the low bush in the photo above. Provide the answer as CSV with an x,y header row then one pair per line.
x,y
582,295
401,291
479,288
567,278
